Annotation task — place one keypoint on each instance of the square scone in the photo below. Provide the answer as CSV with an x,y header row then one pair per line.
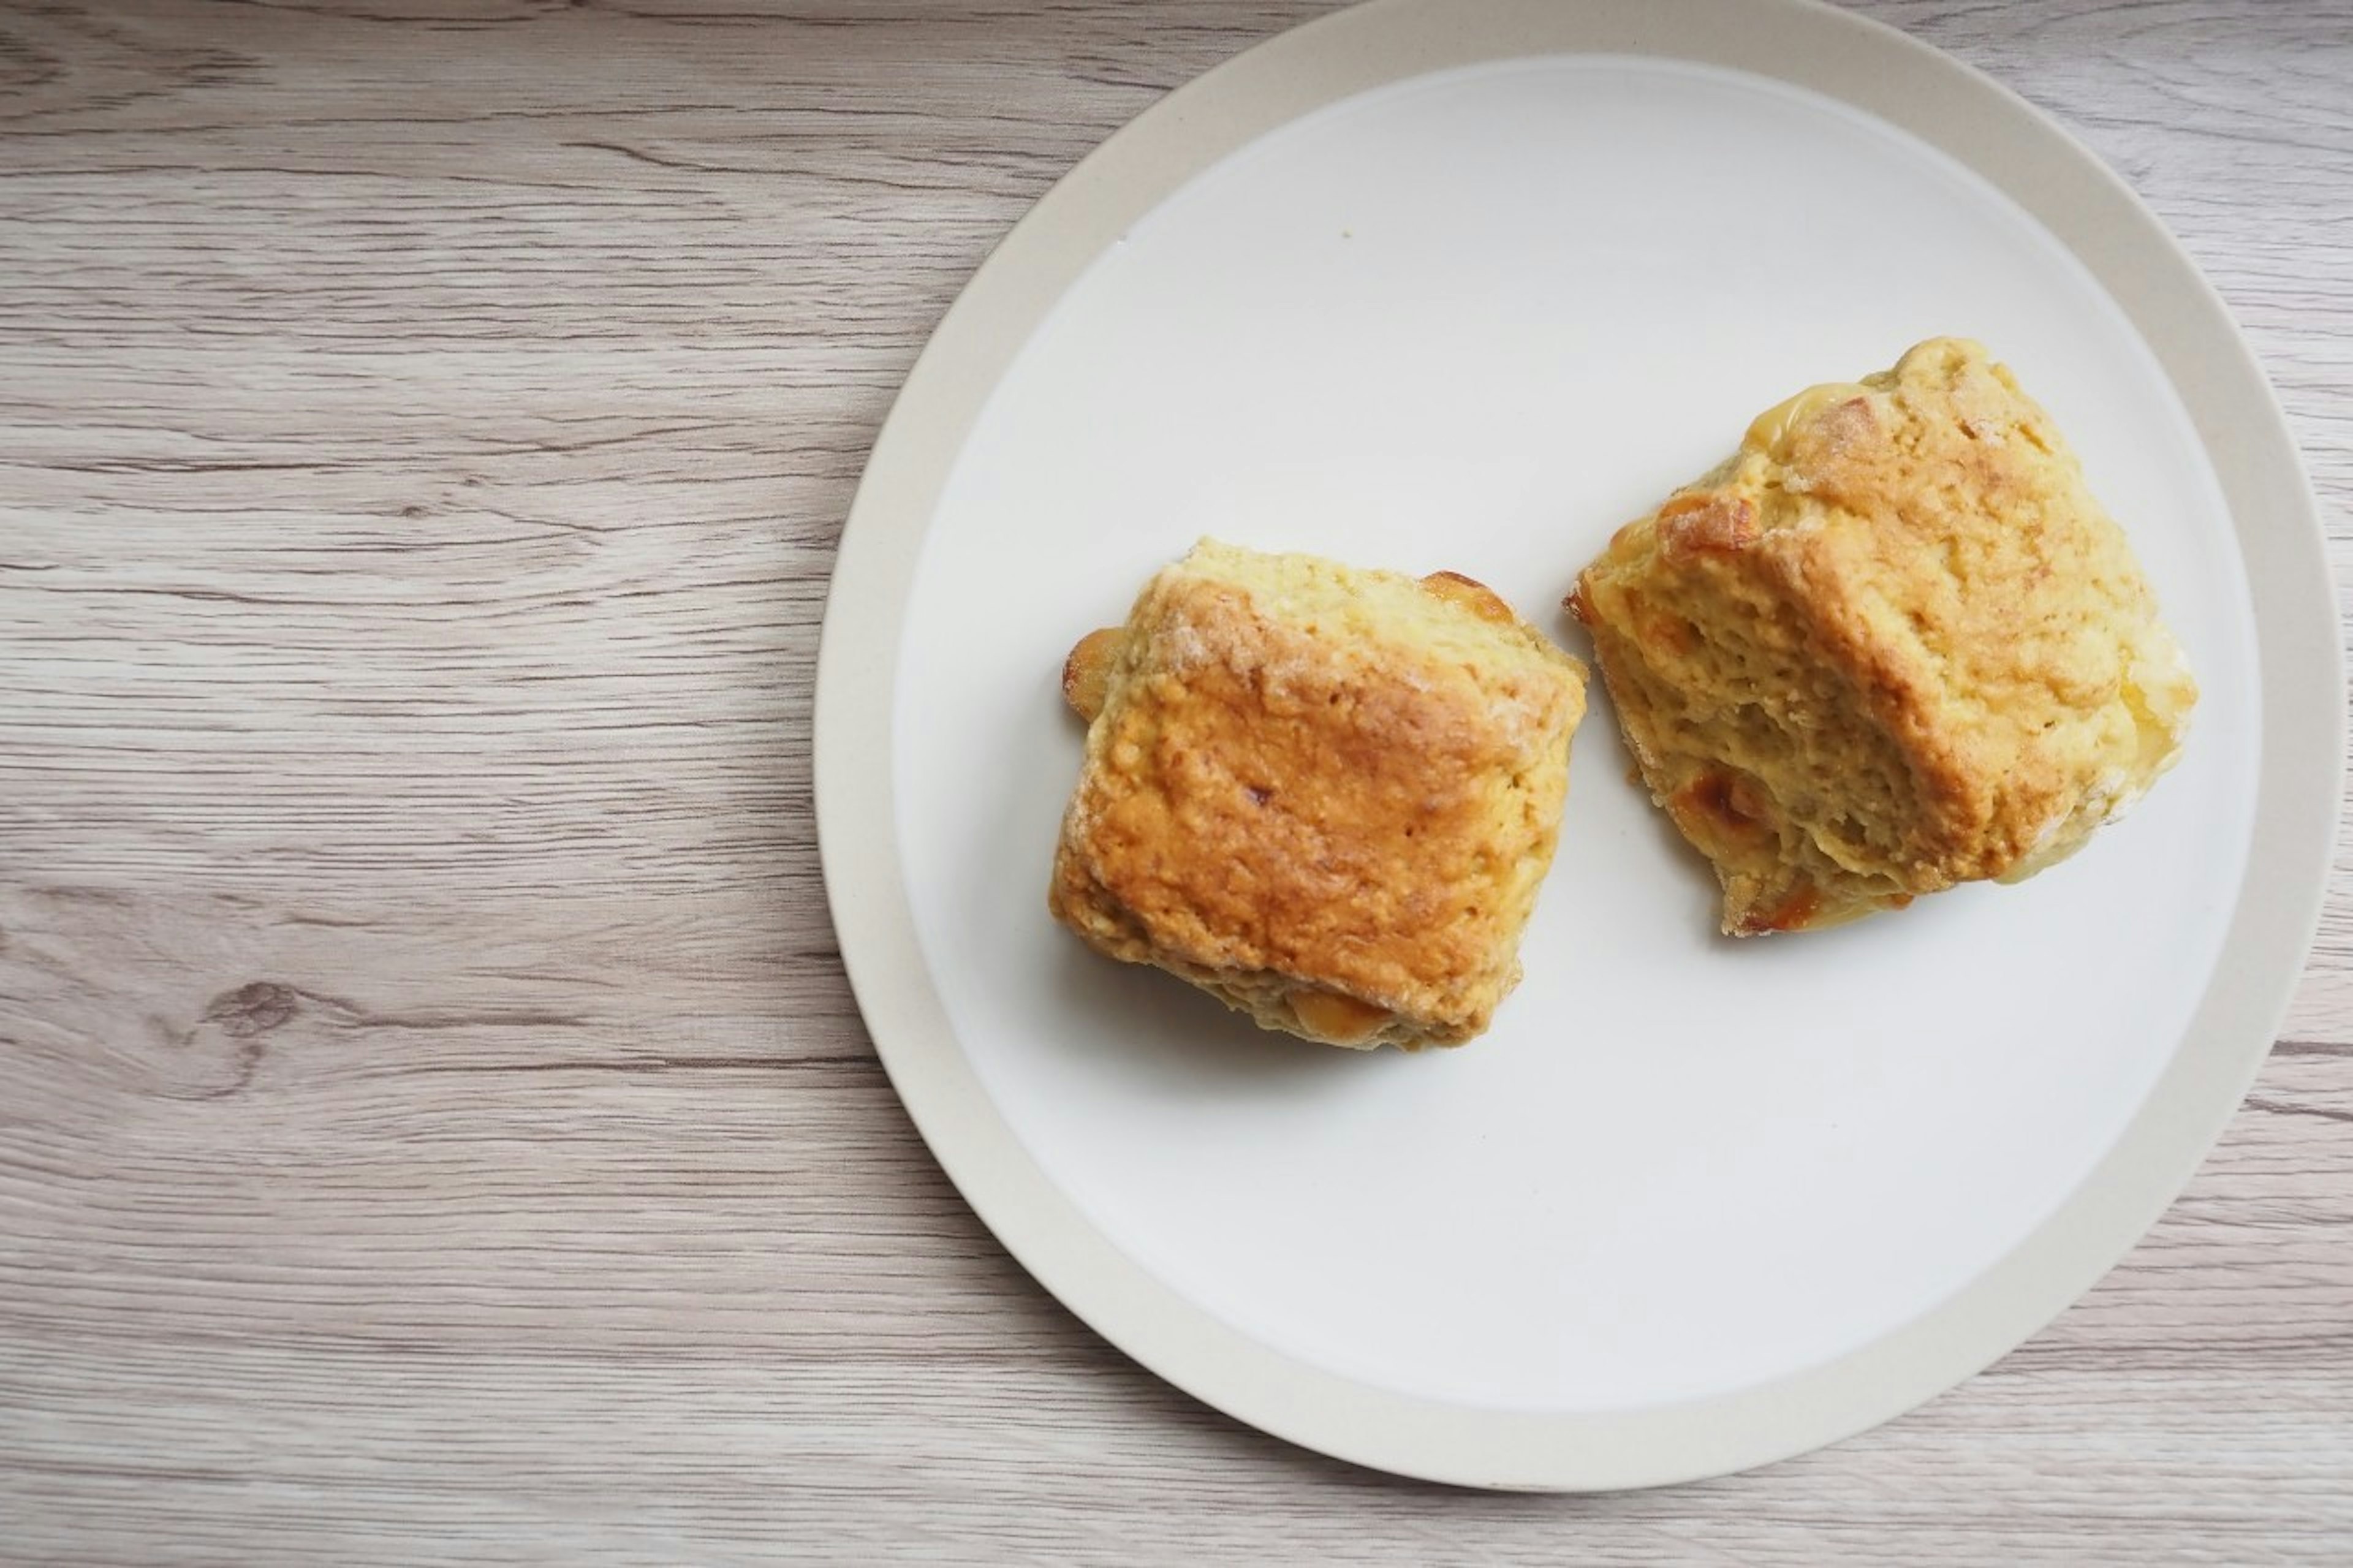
x,y
1325,795
1892,644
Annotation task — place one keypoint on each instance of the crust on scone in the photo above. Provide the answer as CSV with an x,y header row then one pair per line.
x,y
1892,644
1325,795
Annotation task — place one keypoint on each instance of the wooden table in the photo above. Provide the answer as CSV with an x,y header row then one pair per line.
x,y
433,1121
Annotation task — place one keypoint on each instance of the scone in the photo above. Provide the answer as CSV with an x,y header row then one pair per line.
x,y
1890,644
1326,796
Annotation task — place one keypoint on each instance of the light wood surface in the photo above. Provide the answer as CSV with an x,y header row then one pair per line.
x,y
432,1120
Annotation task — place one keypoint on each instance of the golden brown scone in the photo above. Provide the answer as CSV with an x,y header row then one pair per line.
x,y
1890,644
1324,796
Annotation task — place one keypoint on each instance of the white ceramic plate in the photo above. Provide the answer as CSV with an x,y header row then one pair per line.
x,y
1465,286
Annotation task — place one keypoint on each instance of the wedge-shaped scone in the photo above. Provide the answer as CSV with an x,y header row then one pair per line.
x,y
1890,644
1324,796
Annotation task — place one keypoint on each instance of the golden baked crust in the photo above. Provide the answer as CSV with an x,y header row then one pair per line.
x,y
1890,644
1325,795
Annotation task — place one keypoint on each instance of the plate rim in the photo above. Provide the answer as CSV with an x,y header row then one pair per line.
x,y
1865,65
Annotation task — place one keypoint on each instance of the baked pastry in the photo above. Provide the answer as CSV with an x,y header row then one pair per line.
x,y
1890,644
1326,796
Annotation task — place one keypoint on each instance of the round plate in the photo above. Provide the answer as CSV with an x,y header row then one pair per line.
x,y
1465,286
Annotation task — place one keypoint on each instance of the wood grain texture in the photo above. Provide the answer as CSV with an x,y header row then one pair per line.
x,y
432,1120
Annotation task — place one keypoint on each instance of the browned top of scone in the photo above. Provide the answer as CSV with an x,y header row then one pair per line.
x,y
1345,777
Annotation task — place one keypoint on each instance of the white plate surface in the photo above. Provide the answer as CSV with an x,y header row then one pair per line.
x,y
1692,1203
